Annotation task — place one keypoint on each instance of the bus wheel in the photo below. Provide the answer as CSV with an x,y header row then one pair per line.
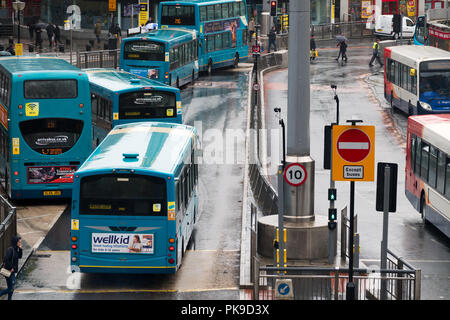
x,y
236,61
209,66
392,102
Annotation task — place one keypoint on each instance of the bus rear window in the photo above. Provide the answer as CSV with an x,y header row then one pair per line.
x,y
147,105
123,195
178,15
51,136
50,89
144,50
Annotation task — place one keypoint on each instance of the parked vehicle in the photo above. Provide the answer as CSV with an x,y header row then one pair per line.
x,y
384,26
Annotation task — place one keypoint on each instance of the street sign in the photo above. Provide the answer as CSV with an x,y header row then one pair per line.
x,y
353,153
19,49
295,174
284,289
112,5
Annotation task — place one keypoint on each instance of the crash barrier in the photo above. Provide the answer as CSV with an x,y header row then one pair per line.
x,y
315,283
98,59
8,225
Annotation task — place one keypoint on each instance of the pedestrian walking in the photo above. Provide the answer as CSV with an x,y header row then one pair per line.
x,y
57,34
38,40
376,53
11,262
272,39
98,30
344,50
312,48
50,33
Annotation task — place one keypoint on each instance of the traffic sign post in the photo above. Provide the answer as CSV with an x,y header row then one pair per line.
x,y
353,159
295,174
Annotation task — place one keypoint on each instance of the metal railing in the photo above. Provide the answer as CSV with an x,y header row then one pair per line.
x,y
312,283
355,29
8,225
98,59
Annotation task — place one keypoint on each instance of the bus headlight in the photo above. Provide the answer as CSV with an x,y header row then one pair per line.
x,y
425,106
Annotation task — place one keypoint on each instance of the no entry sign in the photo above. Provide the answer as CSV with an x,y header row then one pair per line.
x,y
353,151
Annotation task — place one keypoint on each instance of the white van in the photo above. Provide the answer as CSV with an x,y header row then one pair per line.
x,y
384,26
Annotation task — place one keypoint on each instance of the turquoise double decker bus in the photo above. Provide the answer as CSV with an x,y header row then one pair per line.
x,y
222,26
45,131
169,55
134,200
120,97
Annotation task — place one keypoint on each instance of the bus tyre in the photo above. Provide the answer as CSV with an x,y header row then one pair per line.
x,y
392,103
209,67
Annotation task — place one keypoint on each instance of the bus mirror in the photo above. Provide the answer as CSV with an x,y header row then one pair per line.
x,y
412,72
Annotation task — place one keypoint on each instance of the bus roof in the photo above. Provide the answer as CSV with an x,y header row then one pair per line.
x,y
435,129
30,64
159,146
119,80
420,53
167,35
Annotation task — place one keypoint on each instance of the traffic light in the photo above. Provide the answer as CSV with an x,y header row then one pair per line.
x,y
273,8
332,214
332,194
397,23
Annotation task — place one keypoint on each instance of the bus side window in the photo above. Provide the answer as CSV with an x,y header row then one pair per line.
x,y
441,172
424,161
447,183
413,151
94,102
418,153
203,16
225,10
433,167
218,11
414,84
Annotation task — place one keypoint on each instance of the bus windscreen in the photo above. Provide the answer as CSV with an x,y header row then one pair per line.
x,y
147,105
178,15
435,81
144,50
123,195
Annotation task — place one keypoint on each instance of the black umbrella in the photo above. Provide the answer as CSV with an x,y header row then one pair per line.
x,y
41,25
341,38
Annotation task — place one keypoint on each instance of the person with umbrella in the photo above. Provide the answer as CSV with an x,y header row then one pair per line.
x,y
341,39
38,31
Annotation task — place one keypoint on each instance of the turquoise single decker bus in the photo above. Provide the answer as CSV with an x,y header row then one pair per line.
x,y
120,97
45,131
169,55
134,202
222,26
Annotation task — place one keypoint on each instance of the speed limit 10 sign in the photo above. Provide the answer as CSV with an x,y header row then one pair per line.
x,y
295,174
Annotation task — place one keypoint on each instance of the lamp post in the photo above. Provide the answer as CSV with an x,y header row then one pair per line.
x,y
18,6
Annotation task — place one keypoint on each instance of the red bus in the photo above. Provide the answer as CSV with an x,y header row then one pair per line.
x,y
427,169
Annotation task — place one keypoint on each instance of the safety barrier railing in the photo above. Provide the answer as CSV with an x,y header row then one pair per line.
x,y
98,59
8,225
314,283
355,29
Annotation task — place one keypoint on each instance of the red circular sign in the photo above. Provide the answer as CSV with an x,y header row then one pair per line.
x,y
295,174
353,145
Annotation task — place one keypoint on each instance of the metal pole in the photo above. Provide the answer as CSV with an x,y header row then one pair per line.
x,y
350,292
281,244
18,26
298,142
384,242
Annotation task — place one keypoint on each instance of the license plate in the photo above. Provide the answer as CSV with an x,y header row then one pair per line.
x,y
52,193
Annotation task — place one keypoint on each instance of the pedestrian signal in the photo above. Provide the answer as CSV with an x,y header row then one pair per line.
x,y
332,214
273,8
332,193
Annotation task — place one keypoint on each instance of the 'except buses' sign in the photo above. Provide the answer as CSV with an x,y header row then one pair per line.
x,y
353,152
